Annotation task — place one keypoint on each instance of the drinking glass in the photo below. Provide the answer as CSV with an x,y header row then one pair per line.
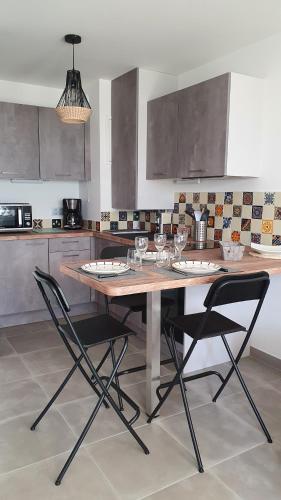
x,y
180,240
141,243
163,258
160,240
133,259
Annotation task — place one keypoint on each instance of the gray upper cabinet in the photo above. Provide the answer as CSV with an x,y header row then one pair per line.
x,y
19,292
19,149
203,128
162,137
62,148
124,140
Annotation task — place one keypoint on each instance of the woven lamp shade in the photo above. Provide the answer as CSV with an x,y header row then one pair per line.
x,y
73,106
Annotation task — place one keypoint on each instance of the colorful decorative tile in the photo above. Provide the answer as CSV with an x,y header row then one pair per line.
x,y
257,211
90,224
269,198
113,226
196,197
182,198
122,216
56,223
203,206
174,228
276,239
237,211
226,222
247,198
277,213
105,216
167,228
142,225
267,226
176,208
211,198
256,237
182,219
130,224
245,224
188,207
235,236
211,221
228,198
219,210
147,216
98,225
218,234
37,223
136,216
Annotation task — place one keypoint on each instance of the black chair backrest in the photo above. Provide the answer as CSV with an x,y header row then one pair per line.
x,y
49,286
237,288
112,252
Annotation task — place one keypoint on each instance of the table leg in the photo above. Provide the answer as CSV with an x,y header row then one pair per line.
x,y
153,334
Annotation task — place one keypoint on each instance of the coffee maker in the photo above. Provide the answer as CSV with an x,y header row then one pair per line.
x,y
72,215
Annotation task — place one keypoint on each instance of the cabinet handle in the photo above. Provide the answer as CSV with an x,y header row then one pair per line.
x,y
6,172
69,242
62,175
71,255
159,174
197,170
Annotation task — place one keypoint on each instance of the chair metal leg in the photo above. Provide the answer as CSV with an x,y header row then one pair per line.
x,y
173,382
245,388
186,407
121,406
105,394
57,393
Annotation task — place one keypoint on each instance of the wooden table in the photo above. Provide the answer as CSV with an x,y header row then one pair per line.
x,y
152,283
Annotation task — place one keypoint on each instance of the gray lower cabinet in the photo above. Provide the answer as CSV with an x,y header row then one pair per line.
x,y
62,148
162,137
203,128
75,292
124,140
19,292
19,148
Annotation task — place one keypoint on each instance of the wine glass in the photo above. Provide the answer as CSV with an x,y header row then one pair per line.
x,y
180,240
141,243
160,240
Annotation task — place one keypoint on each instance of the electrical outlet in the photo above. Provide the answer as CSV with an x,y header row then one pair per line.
x,y
56,223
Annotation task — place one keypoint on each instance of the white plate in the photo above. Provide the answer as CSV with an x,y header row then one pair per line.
x,y
150,256
195,267
106,267
265,248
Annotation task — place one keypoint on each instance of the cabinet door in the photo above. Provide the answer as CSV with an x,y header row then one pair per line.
x,y
124,140
76,293
203,126
62,148
162,137
19,148
18,290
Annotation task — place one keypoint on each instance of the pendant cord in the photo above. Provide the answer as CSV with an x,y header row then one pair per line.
x,y
73,55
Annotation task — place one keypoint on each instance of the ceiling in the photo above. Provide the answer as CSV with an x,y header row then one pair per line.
x,y
170,36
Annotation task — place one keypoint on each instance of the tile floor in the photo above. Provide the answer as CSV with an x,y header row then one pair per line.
x,y
239,464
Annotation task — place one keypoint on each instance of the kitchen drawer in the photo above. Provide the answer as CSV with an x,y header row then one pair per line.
x,y
69,244
75,292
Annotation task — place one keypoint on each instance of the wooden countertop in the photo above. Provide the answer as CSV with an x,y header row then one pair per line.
x,y
150,280
33,235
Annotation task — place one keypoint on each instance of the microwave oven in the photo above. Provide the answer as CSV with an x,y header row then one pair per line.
x,y
15,217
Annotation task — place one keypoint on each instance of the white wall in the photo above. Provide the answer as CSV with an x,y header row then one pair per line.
x,y
44,196
261,60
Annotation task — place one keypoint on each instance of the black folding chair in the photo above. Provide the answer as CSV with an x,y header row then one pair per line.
x,y
85,334
134,303
207,324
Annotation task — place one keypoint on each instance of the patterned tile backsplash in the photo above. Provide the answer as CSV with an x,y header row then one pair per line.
x,y
235,215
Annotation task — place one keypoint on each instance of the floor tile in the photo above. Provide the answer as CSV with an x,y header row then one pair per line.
x,y
134,474
257,371
6,348
12,369
76,388
220,434
83,480
34,341
255,474
20,397
199,487
268,400
48,360
27,328
20,446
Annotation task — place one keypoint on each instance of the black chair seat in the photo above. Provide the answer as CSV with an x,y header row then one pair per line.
x,y
216,325
137,302
98,329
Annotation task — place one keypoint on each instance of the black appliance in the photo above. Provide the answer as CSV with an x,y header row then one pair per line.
x,y
15,217
72,214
